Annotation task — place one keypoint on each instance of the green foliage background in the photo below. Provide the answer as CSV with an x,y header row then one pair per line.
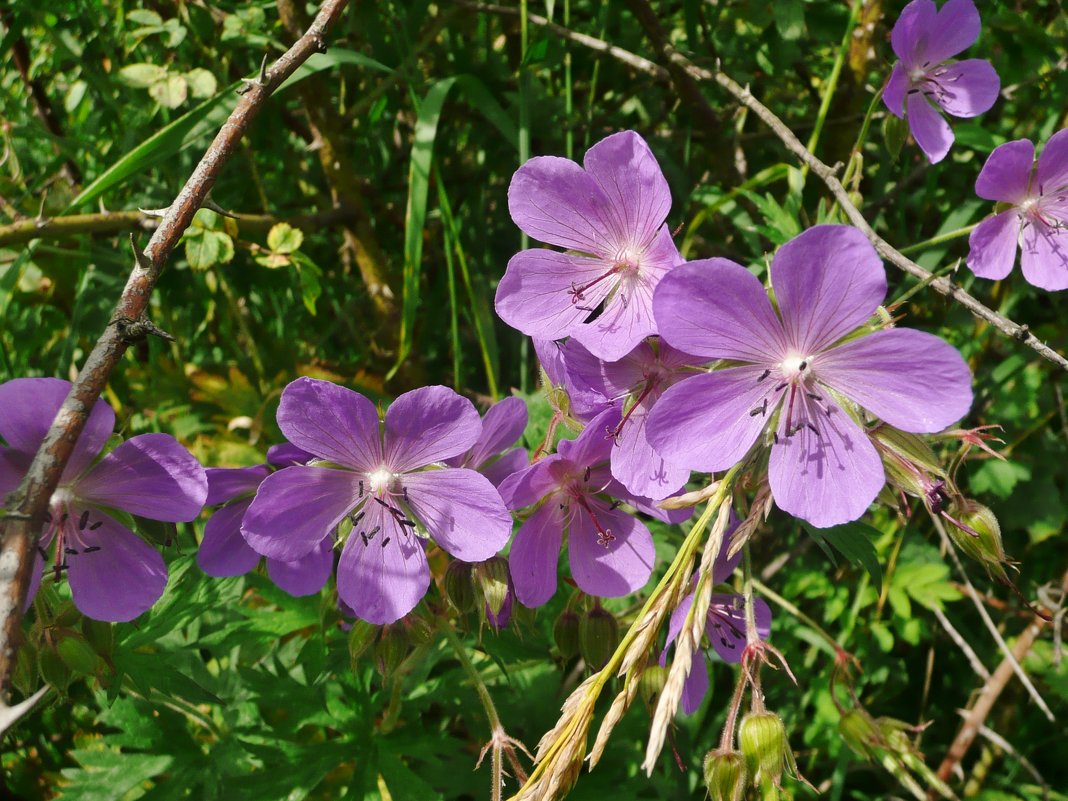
x,y
232,689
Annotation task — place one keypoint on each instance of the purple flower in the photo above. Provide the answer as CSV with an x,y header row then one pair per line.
x,y
798,370
114,575
1038,213
223,551
376,478
638,379
502,426
925,80
611,552
724,627
609,214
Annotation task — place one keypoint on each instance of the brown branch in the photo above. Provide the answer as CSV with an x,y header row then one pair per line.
x,y
989,693
828,175
20,528
114,222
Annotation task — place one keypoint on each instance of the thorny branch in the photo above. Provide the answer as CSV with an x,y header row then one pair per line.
x,y
20,527
113,222
827,174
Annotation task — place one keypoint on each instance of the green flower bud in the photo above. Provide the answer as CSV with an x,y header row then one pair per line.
x,y
78,655
652,682
53,669
979,536
726,775
491,577
566,634
420,630
459,588
598,637
390,650
100,635
859,732
762,737
361,636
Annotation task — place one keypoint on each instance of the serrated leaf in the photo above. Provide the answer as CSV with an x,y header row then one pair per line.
x,y
201,83
170,92
142,76
284,238
274,261
106,775
310,286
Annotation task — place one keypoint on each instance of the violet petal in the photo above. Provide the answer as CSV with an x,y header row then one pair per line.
x,y
1044,256
461,510
151,475
1007,172
306,575
296,508
992,245
613,564
428,425
223,551
534,553
968,88
226,483
929,128
332,422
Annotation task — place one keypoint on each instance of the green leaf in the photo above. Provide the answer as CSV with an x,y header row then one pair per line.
x,y
854,542
202,250
78,655
142,76
895,132
284,238
426,129
201,83
335,57
143,16
998,477
310,286
789,19
105,775
171,92
185,131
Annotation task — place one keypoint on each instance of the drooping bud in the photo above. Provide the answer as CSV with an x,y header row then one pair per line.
x,y
911,466
459,587
420,630
762,737
598,637
491,577
976,532
566,634
361,636
726,775
652,682
390,650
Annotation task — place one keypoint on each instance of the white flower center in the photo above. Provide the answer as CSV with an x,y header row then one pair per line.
x,y
917,75
795,367
61,497
381,479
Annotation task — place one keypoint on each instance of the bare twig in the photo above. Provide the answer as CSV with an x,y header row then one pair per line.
x,y
20,528
828,175
113,222
1008,748
989,693
978,668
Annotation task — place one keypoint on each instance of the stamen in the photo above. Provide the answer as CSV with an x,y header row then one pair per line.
x,y
650,385
92,549
96,525
83,521
764,375
761,410
385,542
577,292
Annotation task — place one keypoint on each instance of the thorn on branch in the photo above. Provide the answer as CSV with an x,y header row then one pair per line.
x,y
1023,333
132,331
154,212
213,206
264,77
320,44
143,261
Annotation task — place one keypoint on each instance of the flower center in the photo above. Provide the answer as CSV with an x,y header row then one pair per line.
x,y
796,368
917,75
381,480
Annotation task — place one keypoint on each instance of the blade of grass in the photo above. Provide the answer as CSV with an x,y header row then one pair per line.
x,y
481,313
448,233
426,131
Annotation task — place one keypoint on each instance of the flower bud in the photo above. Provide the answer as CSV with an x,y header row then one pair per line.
x,y
566,634
459,588
975,531
859,732
652,682
420,631
762,737
390,650
361,636
726,775
491,577
598,637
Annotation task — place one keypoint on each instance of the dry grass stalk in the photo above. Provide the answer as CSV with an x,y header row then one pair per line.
x,y
688,642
